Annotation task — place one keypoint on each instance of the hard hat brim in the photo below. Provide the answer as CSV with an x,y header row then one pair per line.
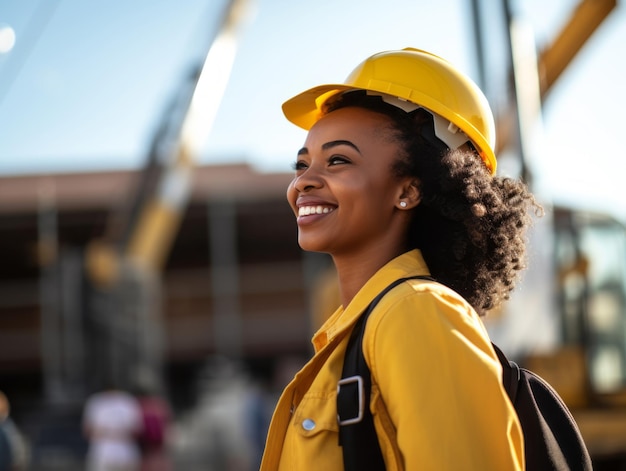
x,y
305,109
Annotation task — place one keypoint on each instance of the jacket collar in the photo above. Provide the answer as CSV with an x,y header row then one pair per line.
x,y
408,264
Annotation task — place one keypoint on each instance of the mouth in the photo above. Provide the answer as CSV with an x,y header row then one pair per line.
x,y
314,209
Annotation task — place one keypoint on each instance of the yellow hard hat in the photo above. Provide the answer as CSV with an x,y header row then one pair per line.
x,y
418,77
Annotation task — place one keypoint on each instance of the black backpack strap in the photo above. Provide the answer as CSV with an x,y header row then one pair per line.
x,y
357,435
511,374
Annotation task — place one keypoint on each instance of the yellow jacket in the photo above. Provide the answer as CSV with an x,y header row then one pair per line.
x,y
437,397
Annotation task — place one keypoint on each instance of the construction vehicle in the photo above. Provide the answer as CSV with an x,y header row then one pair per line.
x,y
566,321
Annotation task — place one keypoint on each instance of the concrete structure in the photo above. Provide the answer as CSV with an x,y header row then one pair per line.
x,y
234,282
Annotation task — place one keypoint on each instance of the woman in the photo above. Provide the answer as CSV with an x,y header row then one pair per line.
x,y
396,179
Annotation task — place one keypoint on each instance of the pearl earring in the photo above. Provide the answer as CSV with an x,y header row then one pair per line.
x,y
403,204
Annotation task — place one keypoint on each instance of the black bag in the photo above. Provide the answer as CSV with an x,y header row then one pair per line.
x,y
552,440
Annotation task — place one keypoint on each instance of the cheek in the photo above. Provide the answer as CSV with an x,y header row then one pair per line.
x,y
292,194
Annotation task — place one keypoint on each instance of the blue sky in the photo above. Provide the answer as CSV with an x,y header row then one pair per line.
x,y
87,82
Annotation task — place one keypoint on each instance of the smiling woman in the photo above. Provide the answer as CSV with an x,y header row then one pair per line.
x,y
397,179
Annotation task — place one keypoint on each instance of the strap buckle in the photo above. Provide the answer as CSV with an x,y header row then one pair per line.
x,y
351,393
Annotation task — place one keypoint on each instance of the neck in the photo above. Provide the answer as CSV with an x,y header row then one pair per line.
x,y
354,270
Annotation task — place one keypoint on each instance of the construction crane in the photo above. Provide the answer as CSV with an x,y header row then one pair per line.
x,y
120,289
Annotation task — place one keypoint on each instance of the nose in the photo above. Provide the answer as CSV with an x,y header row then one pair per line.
x,y
307,180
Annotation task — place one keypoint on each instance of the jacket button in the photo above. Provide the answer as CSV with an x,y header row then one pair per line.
x,y
308,424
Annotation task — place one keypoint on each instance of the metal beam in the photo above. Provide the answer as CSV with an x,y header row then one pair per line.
x,y
554,59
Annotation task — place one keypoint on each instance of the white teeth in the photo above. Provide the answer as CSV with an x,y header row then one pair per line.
x,y
308,210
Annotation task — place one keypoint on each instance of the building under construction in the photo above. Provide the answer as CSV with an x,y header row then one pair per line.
x,y
74,315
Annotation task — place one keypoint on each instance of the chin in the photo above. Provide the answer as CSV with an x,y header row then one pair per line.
x,y
312,246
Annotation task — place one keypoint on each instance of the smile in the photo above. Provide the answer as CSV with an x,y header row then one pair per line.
x,y
308,210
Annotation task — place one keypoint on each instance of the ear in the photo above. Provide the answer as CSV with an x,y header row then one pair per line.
x,y
410,195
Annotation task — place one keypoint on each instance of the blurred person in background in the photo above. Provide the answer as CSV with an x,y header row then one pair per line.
x,y
112,424
156,418
13,448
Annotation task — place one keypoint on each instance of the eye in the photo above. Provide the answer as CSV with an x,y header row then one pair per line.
x,y
299,165
338,160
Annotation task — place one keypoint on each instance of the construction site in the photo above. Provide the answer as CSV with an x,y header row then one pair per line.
x,y
187,276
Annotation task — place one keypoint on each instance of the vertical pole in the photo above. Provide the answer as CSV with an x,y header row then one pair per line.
x,y
71,314
526,96
225,286
479,42
48,293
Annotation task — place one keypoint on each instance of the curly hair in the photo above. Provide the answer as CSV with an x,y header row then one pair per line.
x,y
470,225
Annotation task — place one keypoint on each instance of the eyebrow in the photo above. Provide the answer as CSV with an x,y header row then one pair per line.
x,y
330,145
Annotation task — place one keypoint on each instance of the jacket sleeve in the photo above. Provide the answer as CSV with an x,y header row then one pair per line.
x,y
435,370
